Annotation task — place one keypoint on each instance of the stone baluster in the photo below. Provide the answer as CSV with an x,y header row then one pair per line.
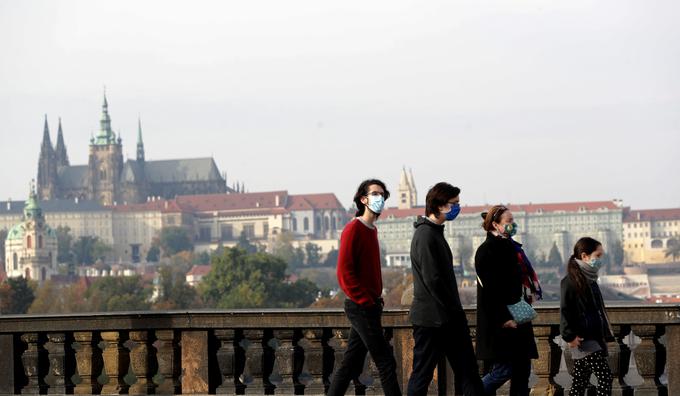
x,y
338,343
195,362
619,360
169,356
252,375
60,372
142,360
284,361
268,361
226,360
116,362
650,358
548,364
673,349
88,362
31,359
312,368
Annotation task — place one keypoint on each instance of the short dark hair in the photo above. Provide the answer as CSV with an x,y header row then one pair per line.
x,y
362,191
439,195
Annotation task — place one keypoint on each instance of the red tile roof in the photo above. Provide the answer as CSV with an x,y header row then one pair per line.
x,y
233,202
314,201
199,270
272,202
652,215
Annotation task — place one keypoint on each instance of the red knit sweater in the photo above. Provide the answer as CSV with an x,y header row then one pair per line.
x,y
358,270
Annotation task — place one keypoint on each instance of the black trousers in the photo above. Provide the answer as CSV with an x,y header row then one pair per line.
x,y
431,344
365,336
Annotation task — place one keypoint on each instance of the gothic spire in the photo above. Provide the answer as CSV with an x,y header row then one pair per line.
x,y
60,150
411,181
47,166
140,142
105,135
46,142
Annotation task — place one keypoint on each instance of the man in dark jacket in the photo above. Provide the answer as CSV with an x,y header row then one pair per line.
x,y
440,327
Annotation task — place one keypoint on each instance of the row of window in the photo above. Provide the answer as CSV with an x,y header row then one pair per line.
x,y
626,284
665,234
656,244
329,223
15,260
29,242
659,224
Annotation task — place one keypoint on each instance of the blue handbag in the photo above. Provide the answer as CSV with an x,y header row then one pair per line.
x,y
522,312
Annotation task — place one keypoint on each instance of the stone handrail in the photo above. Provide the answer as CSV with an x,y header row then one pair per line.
x,y
282,352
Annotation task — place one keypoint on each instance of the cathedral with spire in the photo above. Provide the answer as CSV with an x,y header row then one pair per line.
x,y
408,195
110,180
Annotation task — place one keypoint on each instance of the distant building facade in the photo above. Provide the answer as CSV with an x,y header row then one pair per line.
x,y
211,219
83,218
262,217
31,245
648,235
540,227
110,180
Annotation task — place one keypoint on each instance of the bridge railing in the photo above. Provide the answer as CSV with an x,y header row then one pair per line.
x,y
286,352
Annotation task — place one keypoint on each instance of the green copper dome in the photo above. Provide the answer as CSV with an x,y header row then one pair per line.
x,y
32,212
17,232
32,209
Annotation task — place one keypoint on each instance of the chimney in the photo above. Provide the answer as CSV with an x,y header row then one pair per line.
x,y
166,204
75,200
638,216
276,200
9,205
257,204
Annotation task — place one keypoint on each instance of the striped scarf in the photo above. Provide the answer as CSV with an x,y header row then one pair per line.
x,y
529,276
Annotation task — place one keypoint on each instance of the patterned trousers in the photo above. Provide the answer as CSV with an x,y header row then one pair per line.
x,y
595,363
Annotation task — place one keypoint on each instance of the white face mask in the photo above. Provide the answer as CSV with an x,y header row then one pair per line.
x,y
376,203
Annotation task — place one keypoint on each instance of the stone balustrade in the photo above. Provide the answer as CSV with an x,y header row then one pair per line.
x,y
287,352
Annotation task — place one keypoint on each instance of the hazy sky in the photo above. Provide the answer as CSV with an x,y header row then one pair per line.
x,y
514,101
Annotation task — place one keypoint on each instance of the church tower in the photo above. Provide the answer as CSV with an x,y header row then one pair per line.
x,y
105,164
31,246
414,191
47,167
140,143
60,151
407,191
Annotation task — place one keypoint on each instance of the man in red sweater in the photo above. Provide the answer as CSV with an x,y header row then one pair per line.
x,y
360,278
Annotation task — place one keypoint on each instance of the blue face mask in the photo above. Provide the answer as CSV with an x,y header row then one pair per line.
x,y
376,203
595,262
453,213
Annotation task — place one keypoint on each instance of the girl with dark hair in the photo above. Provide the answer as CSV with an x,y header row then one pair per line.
x,y
505,278
583,320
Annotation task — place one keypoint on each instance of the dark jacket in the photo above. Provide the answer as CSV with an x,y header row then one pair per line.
x,y
497,266
435,291
582,313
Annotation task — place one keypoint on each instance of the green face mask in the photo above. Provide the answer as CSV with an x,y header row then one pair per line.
x,y
510,229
